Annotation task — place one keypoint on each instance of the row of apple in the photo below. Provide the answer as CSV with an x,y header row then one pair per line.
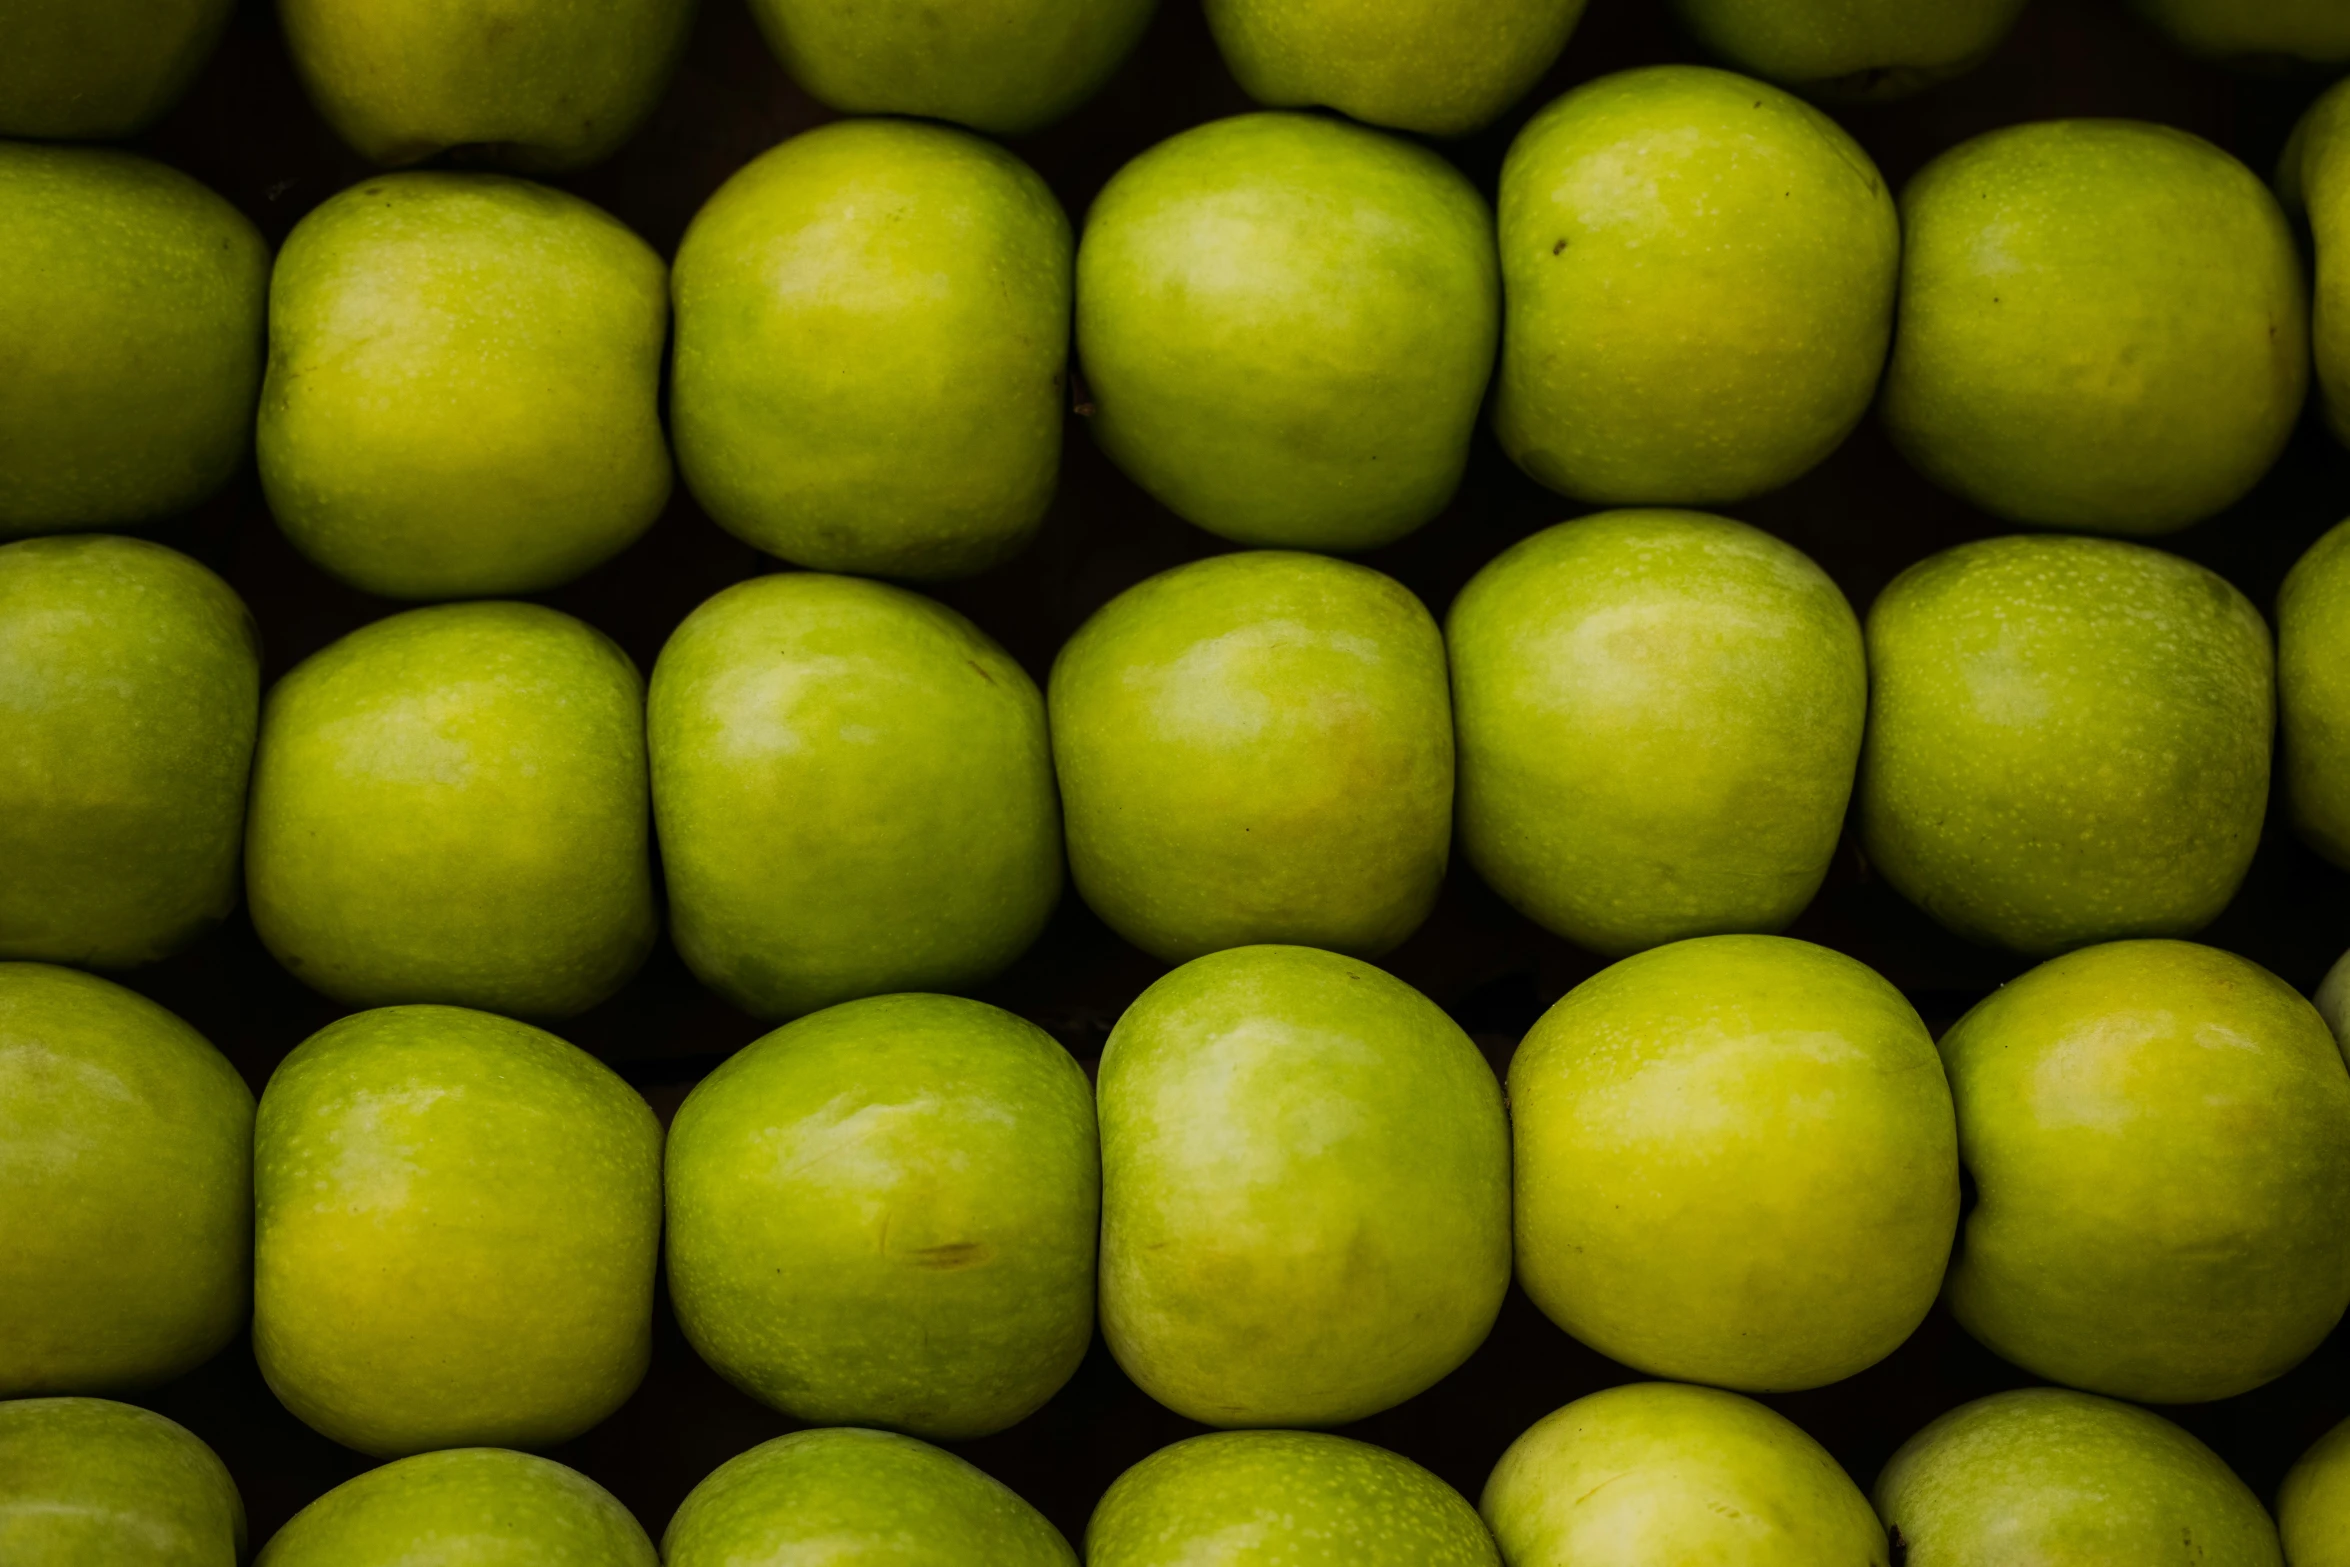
x,y
1687,1470
1287,327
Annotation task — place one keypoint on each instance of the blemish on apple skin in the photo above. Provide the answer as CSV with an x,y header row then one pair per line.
x,y
955,1254
1559,247
983,674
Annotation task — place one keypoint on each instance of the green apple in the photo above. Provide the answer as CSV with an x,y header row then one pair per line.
x,y
1658,1473
1286,324
457,1219
850,1498
1700,272
542,86
855,795
2313,693
2313,1505
1851,50
2160,1136
1007,67
464,384
1305,1190
1283,1499
130,690
2314,178
85,1482
2255,31
884,1214
2045,1475
126,1151
451,805
2068,741
872,337
2103,327
1440,67
131,325
1257,747
1736,1164
470,1507
95,70
1658,715
2332,999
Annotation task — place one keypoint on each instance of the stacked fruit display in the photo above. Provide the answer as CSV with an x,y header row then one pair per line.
x,y
407,857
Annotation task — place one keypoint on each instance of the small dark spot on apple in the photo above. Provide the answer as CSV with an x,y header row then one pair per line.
x,y
1561,245
983,674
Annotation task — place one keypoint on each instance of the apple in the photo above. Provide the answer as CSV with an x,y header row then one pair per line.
x,y
2160,1134
850,1496
2313,693
463,396
1007,67
1286,324
1297,1498
85,1481
1657,1472
470,1507
2103,327
884,1214
126,1151
130,688
1736,1164
872,339
1305,1190
2255,32
457,1219
1257,747
95,70
131,324
541,86
1866,51
2068,741
1440,67
855,795
451,805
2314,178
2047,1475
2313,1505
1700,271
1658,714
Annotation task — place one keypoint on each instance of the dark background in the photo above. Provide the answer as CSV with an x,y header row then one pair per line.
x,y
247,131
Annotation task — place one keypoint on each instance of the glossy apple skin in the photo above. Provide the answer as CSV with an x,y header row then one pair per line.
x,y
131,320
2255,33
84,1482
1305,1190
451,806
1286,324
872,345
1296,1498
852,1497
1439,67
2068,741
2314,179
885,1214
97,70
1257,748
1658,1472
1736,1164
457,1222
2313,693
854,791
126,1151
1707,329
538,86
2103,327
2046,1475
465,1507
2313,1505
463,396
1851,51
2160,1137
1007,67
130,689
1658,715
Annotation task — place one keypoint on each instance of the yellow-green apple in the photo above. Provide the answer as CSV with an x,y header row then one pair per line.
x,y
2314,178
89,1483
94,70
467,1507
2313,1505
1851,50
